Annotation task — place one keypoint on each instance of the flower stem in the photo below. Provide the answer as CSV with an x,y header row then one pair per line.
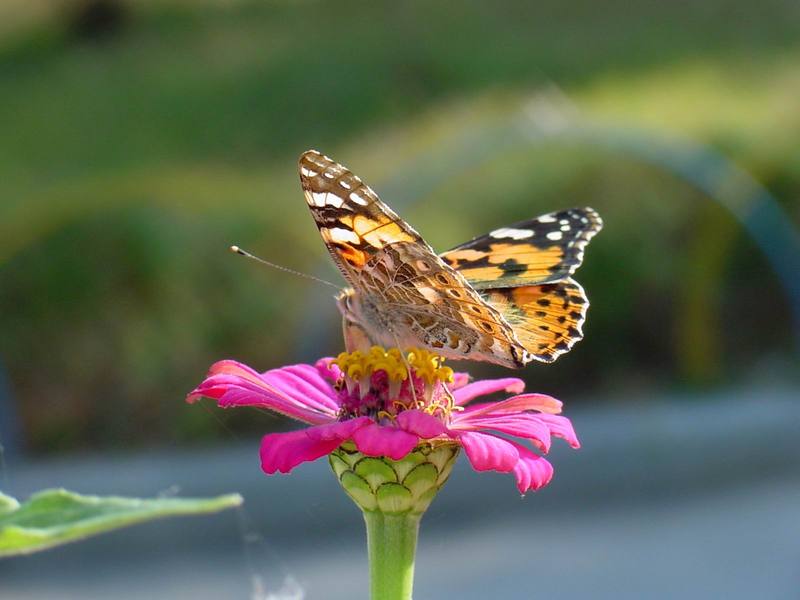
x,y
392,542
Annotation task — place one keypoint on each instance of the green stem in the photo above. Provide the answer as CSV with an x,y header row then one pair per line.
x,y
392,541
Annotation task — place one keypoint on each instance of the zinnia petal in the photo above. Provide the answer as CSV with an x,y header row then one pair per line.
x,y
420,423
561,427
341,430
487,386
380,440
488,453
234,384
328,370
532,472
284,451
460,379
303,383
525,425
523,402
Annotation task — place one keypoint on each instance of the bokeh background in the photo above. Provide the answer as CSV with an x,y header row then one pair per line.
x,y
138,140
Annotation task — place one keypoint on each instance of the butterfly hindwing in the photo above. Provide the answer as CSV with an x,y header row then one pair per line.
x,y
547,319
542,250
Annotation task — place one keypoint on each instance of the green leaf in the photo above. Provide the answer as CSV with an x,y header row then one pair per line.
x,y
53,517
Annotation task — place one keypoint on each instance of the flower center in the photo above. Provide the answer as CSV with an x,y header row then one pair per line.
x,y
384,382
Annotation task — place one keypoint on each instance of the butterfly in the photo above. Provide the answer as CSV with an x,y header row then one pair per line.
x,y
506,297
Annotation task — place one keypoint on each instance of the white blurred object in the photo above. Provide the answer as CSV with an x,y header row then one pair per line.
x,y
291,590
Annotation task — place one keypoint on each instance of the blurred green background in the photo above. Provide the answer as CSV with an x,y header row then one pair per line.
x,y
139,139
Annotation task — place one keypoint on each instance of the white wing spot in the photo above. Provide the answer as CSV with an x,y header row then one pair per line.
x,y
325,199
343,235
344,184
554,235
509,232
335,201
565,228
328,175
306,172
358,199
547,219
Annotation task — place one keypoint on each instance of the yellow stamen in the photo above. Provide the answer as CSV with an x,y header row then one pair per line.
x,y
382,414
358,368
427,365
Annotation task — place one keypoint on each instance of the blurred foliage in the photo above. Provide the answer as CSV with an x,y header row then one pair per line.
x,y
54,517
137,147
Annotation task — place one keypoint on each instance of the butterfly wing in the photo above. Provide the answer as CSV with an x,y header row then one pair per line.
x,y
352,220
523,271
547,319
414,297
542,250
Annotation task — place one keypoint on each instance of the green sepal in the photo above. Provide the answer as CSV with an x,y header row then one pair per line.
x,y
405,486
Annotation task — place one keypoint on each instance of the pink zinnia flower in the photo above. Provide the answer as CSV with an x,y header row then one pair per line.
x,y
369,400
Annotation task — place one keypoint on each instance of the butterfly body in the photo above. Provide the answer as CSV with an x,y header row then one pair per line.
x,y
504,298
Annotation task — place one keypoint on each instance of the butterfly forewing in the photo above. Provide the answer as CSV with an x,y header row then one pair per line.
x,y
542,250
352,220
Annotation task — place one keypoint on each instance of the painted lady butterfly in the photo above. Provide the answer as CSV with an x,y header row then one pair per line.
x,y
506,297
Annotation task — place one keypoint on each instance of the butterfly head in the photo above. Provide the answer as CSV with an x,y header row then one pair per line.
x,y
345,302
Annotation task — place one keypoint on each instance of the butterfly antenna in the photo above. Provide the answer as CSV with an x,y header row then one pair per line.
x,y
245,253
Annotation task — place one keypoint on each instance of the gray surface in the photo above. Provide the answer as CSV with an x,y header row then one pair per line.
x,y
680,499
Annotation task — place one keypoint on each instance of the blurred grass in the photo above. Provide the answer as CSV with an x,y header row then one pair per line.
x,y
129,161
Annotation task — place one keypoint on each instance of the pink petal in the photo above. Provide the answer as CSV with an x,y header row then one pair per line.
x,y
341,430
459,381
328,370
516,404
420,423
303,383
487,386
379,440
525,425
561,427
488,453
234,384
284,451
532,472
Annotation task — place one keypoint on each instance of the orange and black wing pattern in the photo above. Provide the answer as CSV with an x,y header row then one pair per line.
x,y
523,271
352,220
547,319
542,250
